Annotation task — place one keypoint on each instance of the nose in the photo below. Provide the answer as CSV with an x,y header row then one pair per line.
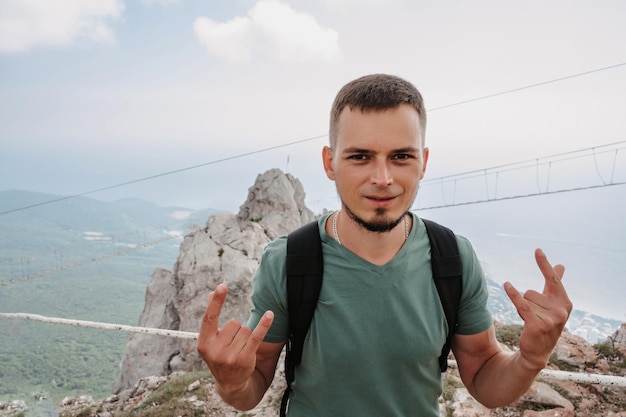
x,y
382,174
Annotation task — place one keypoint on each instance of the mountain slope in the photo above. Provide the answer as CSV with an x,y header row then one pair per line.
x,y
76,258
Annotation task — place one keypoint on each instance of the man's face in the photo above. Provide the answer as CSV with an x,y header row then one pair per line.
x,y
377,163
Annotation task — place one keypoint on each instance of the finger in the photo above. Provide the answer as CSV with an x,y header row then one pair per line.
x,y
229,333
552,311
552,275
211,317
259,333
522,306
560,270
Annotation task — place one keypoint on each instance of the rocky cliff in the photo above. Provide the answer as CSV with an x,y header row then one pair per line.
x,y
227,249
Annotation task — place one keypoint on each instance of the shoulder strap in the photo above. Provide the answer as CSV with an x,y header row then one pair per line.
x,y
448,275
304,270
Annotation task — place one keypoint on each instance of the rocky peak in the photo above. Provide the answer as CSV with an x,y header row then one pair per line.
x,y
227,250
276,200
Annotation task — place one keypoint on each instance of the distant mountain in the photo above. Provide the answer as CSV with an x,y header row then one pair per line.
x,y
50,220
84,212
43,232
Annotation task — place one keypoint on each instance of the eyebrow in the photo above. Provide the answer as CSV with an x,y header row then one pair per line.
x,y
409,149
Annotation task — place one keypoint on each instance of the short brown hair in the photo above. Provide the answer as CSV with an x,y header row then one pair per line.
x,y
376,92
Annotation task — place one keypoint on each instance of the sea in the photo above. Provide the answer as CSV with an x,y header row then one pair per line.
x,y
583,230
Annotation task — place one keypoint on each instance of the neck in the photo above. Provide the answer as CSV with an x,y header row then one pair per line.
x,y
375,247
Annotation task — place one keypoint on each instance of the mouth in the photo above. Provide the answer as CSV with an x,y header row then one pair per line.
x,y
379,200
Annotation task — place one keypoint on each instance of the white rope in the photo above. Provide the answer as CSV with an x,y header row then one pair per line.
x,y
580,377
616,381
105,326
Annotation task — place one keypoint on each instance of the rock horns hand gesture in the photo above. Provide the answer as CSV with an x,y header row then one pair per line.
x,y
544,314
230,352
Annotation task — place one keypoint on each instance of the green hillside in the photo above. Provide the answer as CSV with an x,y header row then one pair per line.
x,y
78,258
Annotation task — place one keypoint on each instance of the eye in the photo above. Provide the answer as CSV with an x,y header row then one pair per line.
x,y
358,157
402,157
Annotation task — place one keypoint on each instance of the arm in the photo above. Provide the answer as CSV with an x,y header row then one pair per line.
x,y
495,377
492,376
242,364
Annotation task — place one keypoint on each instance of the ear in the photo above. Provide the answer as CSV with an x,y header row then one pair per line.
x,y
327,158
425,154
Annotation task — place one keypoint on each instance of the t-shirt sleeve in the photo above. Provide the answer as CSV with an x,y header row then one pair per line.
x,y
269,291
474,316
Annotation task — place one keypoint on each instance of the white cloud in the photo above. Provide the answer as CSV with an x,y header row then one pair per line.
x,y
270,28
25,24
232,41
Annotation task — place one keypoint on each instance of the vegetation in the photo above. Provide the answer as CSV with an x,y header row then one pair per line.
x,y
74,259
608,351
166,400
575,400
60,360
66,361
614,357
450,385
509,334
562,365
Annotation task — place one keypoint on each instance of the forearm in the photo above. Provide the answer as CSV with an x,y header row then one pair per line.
x,y
248,395
503,378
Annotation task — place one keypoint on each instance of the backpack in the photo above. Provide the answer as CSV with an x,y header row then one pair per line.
x,y
304,268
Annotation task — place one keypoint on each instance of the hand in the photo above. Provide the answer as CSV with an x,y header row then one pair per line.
x,y
230,352
544,314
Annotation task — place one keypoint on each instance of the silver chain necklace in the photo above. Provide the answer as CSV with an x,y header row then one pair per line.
x,y
336,235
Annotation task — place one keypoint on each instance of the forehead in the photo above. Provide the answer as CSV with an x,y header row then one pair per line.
x,y
396,127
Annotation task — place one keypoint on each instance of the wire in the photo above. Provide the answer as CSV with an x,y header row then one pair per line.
x,y
537,163
528,162
296,142
501,93
514,197
163,174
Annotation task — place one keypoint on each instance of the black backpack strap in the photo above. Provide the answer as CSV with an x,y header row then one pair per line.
x,y
448,275
304,270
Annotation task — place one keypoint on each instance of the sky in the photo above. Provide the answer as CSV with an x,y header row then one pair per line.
x,y
185,102
96,93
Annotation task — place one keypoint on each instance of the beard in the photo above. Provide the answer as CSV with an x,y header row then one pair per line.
x,y
380,223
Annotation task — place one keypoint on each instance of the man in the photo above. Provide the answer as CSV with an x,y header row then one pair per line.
x,y
377,332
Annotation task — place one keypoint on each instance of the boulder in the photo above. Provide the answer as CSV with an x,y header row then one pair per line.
x,y
574,350
544,395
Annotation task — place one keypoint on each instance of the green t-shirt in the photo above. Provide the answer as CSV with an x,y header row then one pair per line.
x,y
377,333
